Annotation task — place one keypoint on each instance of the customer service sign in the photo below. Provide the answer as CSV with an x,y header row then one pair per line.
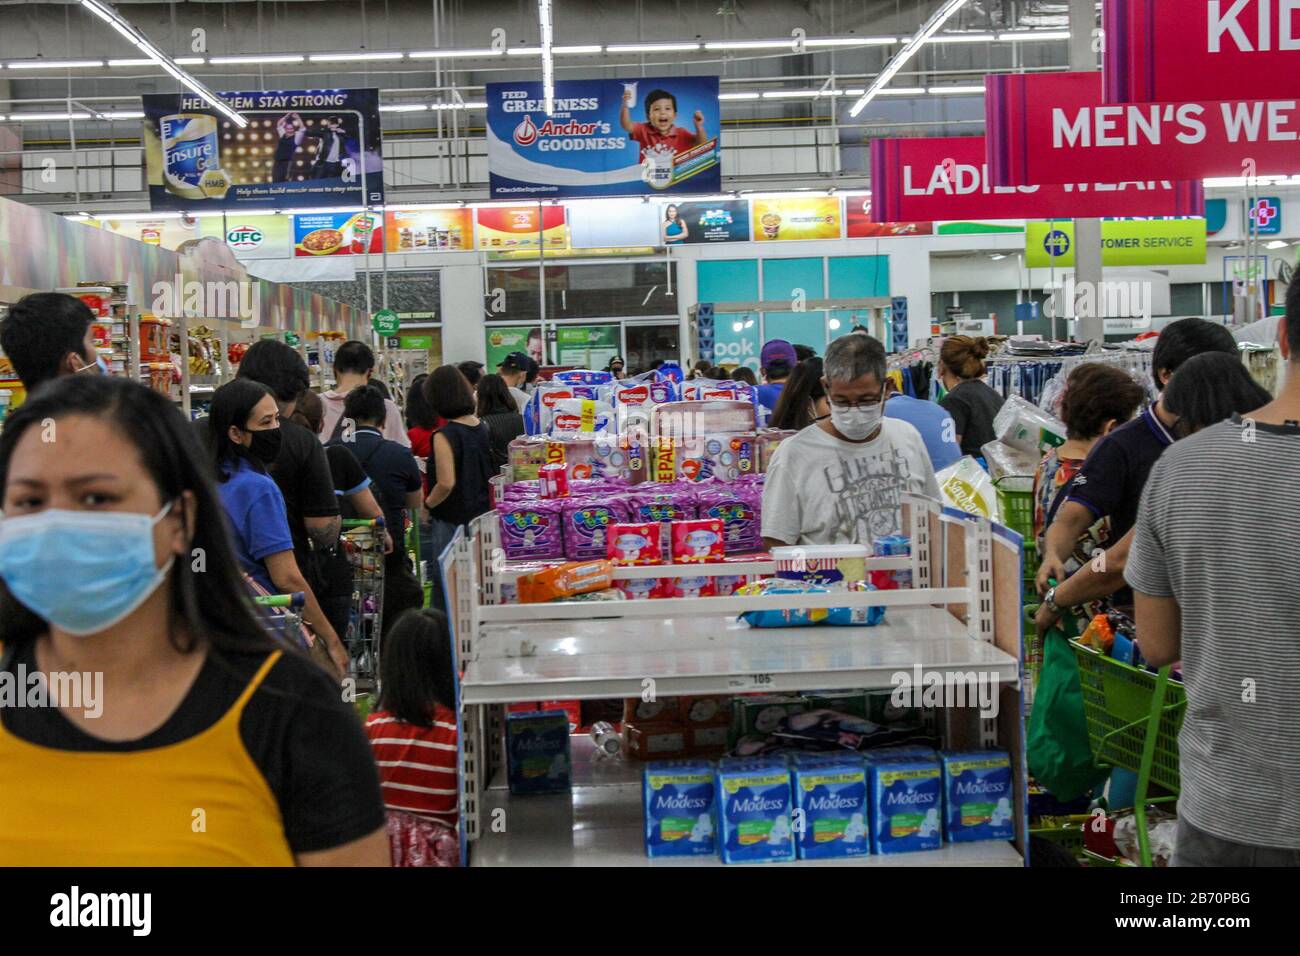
x,y
633,137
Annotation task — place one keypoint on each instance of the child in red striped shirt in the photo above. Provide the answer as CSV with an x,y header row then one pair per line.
x,y
414,738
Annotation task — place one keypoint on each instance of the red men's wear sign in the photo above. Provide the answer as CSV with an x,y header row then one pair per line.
x,y
948,178
1054,128
1190,50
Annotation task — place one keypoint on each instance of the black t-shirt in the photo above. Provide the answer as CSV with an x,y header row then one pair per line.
x,y
973,405
305,740
349,477
393,474
505,428
471,449
303,473
1116,470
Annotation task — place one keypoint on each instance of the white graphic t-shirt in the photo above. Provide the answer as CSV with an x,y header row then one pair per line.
x,y
820,490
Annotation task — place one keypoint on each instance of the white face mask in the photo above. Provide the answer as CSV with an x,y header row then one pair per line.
x,y
856,424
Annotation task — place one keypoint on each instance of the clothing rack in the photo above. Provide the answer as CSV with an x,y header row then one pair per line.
x,y
913,371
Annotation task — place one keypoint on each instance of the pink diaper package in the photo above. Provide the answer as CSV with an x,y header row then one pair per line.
x,y
738,508
586,526
531,529
645,589
689,587
633,543
697,541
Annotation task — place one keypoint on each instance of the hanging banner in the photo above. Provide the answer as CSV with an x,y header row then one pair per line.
x,y
336,234
516,227
252,237
502,340
1176,50
858,223
696,223
587,346
1053,128
632,137
429,230
300,148
927,179
612,223
796,217
1124,242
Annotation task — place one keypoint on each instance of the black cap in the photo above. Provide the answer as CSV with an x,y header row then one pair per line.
x,y
515,362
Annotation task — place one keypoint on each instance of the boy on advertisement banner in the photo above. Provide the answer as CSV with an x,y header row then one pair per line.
x,y
659,134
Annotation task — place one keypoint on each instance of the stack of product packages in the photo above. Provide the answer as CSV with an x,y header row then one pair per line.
x,y
639,472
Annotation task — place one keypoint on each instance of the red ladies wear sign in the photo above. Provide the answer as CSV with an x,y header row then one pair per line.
x,y
1054,128
948,178
1161,51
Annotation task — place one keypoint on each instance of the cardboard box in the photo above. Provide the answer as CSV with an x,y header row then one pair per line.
x,y
660,712
712,711
654,743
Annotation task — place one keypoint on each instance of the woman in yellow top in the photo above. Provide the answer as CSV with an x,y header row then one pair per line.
x,y
175,730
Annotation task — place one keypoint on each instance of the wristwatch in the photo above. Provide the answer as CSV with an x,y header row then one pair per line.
x,y
1049,601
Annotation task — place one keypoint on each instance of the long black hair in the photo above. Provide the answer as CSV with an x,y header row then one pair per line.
x,y
494,397
419,413
802,390
1210,388
232,404
216,610
416,669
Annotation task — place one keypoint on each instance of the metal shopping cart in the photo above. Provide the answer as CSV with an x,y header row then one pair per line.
x,y
363,542
283,615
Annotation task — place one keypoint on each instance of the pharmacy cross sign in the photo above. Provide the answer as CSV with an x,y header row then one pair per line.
x,y
1266,214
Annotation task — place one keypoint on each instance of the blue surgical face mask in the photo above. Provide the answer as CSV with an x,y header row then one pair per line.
x,y
82,571
99,364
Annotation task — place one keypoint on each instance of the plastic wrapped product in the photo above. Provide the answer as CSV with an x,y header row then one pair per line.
x,y
978,799
1021,424
1007,461
527,454
634,543
531,529
586,526
540,410
669,372
581,416
693,586
891,546
565,580
967,487
583,376
697,541
646,589
906,803
768,440
827,565
537,752
739,511
678,799
633,402
754,811
608,457
663,504
837,616
832,795
689,419
715,457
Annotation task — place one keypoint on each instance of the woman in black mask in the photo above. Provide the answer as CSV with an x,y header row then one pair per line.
x,y
243,438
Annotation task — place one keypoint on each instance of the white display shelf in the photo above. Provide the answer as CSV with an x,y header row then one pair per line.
x,y
717,654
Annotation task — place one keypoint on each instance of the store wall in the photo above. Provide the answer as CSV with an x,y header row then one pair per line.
x,y
462,311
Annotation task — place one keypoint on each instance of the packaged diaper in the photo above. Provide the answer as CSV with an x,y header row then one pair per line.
x,y
712,417
1007,461
677,797
531,529
564,580
827,565
665,504
537,752
891,546
977,797
738,508
1022,424
697,541
574,416
669,371
527,454
605,456
583,376
905,802
633,402
798,617
634,543
767,440
725,585
541,405
830,816
693,586
645,589
586,526
712,457
754,811
711,390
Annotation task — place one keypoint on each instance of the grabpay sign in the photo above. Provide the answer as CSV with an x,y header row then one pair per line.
x,y
1187,50
1054,128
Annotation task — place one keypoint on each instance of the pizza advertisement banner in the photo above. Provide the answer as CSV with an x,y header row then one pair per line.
x,y
1054,128
517,227
948,177
336,234
1191,50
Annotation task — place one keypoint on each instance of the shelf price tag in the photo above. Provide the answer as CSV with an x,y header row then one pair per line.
x,y
750,682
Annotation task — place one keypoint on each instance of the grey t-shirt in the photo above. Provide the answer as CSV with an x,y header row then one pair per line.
x,y
1217,531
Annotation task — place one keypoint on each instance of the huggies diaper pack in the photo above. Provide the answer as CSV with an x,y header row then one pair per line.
x,y
831,815
633,403
586,526
678,797
905,799
977,796
531,529
583,376
754,809
574,416
537,752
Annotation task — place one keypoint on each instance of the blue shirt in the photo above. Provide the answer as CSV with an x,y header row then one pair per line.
x,y
935,425
255,508
769,395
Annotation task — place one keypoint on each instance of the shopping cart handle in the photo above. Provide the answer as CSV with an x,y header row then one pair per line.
x,y
295,601
363,522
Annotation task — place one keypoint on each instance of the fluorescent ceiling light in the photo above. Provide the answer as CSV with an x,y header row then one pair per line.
x,y
135,216
52,64
138,61
417,206
788,94
268,58
570,50
957,90
1020,36
738,96
123,116
1234,182
353,57
901,91
458,106
123,26
963,38
46,117
899,60
998,255
404,108
449,54
524,51
189,61
851,41
651,47
1276,244
750,44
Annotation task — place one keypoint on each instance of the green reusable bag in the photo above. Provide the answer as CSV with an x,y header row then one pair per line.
x,y
1058,751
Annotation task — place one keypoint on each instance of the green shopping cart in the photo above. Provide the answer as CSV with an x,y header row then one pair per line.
x,y
1016,502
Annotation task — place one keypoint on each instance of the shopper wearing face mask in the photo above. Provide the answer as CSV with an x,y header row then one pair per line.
x,y
48,334
243,439
207,741
838,481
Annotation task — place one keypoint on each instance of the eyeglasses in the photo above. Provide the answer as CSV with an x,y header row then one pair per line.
x,y
864,404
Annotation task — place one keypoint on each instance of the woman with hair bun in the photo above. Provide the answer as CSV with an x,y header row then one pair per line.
x,y
969,400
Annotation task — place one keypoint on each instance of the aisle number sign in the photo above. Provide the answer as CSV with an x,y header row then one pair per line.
x,y
386,322
1124,242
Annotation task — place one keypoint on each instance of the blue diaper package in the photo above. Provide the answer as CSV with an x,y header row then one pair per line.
x,y
537,752
754,808
977,796
677,796
837,616
830,816
905,799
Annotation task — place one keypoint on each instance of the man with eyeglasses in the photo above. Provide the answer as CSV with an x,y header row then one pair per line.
x,y
839,480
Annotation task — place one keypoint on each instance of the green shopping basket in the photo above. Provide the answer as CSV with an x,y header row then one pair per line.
x,y
1120,704
1016,502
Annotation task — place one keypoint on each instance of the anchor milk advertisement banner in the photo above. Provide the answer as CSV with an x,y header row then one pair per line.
x,y
623,137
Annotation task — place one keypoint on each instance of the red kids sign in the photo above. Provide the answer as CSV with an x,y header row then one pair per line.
x,y
1188,50
948,178
1054,128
